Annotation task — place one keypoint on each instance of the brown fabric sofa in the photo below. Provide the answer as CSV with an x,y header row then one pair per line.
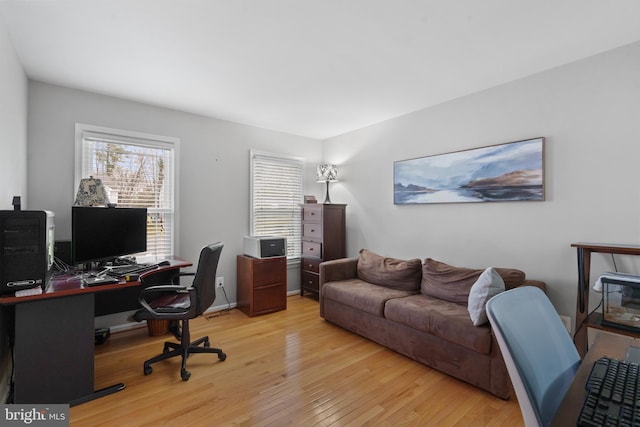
x,y
419,310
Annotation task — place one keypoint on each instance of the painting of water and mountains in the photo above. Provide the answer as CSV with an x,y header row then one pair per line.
x,y
506,172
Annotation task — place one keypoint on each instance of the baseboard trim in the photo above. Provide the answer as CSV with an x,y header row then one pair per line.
x,y
136,325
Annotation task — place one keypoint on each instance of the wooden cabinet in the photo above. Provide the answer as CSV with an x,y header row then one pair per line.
x,y
262,284
582,305
323,239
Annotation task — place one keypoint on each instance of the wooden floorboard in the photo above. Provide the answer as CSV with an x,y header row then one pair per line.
x,y
285,368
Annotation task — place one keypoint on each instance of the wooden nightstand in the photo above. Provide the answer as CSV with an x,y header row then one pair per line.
x,y
262,284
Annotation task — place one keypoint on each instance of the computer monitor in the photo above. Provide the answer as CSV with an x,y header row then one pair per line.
x,y
103,234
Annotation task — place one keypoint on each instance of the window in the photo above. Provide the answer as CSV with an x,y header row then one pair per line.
x,y
276,195
138,170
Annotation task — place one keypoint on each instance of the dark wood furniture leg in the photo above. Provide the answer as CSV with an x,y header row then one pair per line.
x,y
582,304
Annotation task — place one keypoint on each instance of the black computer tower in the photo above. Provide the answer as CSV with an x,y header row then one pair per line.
x,y
26,249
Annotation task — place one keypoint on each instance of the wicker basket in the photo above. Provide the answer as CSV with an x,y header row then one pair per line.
x,y
157,327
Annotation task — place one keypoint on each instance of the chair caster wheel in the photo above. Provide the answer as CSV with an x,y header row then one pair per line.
x,y
148,370
185,375
222,357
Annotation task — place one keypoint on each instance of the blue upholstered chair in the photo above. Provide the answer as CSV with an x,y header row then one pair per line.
x,y
539,354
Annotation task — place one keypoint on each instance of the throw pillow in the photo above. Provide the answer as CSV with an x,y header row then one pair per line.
x,y
389,272
487,286
449,283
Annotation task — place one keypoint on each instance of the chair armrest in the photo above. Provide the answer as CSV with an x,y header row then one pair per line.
x,y
164,288
167,290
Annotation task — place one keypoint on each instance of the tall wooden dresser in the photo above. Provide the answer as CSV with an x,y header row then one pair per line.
x,y
323,239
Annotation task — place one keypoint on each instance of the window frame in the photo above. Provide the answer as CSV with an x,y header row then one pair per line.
x,y
83,131
295,258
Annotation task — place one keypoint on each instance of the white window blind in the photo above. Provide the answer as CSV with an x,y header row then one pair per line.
x,y
276,195
138,171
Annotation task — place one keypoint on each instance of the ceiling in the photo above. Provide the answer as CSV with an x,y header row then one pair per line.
x,y
316,68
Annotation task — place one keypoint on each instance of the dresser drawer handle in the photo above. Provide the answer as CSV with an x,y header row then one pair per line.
x,y
310,265
313,230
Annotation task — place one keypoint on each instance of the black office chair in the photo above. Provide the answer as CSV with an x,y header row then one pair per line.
x,y
175,302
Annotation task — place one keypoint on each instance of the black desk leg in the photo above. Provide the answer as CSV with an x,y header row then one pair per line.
x,y
96,394
54,351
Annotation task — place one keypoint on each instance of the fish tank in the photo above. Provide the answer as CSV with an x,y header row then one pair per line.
x,y
621,301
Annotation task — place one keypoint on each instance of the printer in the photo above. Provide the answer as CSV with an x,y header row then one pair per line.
x,y
264,246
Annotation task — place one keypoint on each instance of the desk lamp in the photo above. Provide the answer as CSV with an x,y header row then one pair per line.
x,y
327,173
91,192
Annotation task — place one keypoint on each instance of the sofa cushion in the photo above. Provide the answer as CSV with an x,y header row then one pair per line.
x,y
453,284
487,286
447,320
361,295
389,272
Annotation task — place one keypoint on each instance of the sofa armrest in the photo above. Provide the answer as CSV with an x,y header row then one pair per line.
x,y
334,271
338,269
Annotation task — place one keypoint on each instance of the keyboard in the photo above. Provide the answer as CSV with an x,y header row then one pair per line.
x,y
121,271
612,394
99,280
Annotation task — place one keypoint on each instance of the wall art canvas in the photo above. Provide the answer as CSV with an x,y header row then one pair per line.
x,y
505,172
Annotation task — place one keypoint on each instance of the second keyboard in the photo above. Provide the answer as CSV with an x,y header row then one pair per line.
x,y
121,271
612,394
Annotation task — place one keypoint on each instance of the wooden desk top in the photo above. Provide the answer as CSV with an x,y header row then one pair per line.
x,y
62,284
605,344
609,248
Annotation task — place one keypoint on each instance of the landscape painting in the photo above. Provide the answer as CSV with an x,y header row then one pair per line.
x,y
506,172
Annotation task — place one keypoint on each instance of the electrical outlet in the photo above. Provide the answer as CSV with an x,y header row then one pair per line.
x,y
219,282
567,322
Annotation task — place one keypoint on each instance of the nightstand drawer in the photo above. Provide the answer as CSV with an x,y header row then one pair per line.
x,y
312,265
312,212
310,281
312,230
270,298
311,249
267,271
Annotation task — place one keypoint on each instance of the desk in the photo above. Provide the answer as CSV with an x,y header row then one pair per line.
x,y
605,344
54,341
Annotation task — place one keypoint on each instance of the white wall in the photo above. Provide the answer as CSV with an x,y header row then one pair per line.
x,y
589,112
213,170
13,124
13,159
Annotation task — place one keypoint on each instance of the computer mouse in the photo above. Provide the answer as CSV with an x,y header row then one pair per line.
x,y
163,263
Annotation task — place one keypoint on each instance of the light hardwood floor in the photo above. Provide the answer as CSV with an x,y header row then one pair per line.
x,y
285,368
